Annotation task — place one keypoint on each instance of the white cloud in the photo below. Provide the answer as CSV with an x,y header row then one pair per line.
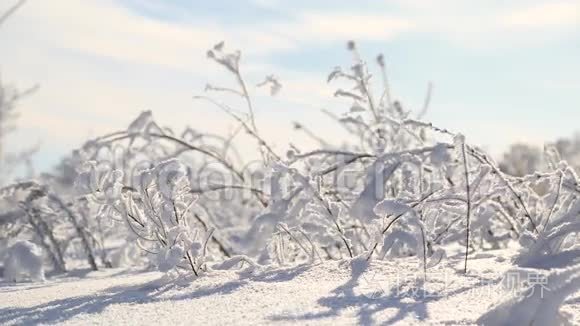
x,y
544,16
329,27
487,25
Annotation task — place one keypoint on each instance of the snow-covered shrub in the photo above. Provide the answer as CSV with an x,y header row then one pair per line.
x,y
24,260
556,244
548,263
159,212
117,163
53,222
33,220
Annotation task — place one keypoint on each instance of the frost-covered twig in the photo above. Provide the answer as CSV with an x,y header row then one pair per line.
x,y
461,143
251,131
556,199
396,218
5,15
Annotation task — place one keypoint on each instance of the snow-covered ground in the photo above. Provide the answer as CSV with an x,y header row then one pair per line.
x,y
328,293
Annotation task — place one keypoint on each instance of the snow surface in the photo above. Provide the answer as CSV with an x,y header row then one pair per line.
x,y
328,293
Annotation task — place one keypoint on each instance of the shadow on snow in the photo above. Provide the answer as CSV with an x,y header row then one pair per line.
x,y
64,309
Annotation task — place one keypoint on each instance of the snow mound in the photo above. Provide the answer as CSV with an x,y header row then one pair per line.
x,y
538,303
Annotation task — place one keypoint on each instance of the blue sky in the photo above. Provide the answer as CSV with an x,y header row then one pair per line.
x,y
503,71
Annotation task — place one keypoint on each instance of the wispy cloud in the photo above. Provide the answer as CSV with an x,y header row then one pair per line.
x,y
490,25
330,27
554,15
